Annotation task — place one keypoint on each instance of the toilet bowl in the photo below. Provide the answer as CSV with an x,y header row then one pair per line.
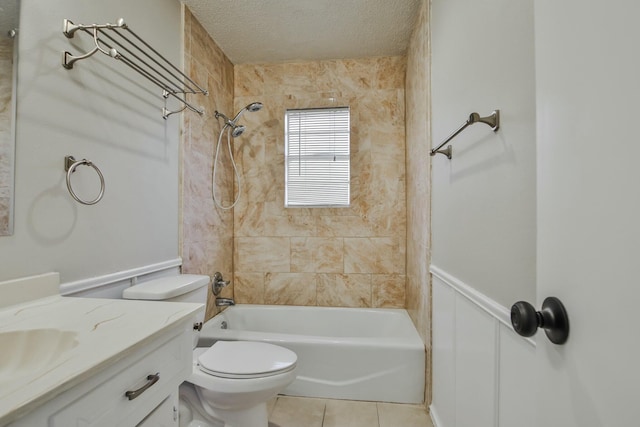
x,y
231,381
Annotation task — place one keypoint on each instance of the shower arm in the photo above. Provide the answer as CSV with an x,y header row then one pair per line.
x,y
493,120
227,120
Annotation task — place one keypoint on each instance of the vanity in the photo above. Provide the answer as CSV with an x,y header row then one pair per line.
x,y
67,361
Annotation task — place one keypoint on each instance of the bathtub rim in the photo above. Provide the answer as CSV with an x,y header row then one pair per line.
x,y
211,329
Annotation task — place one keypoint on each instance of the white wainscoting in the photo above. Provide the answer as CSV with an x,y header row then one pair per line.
x,y
482,370
111,285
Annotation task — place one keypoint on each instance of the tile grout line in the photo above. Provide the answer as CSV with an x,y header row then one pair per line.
x,y
378,413
324,413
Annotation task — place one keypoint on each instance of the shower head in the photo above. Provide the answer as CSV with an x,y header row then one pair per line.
x,y
238,130
253,107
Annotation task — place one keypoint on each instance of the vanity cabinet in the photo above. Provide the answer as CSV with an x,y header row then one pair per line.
x,y
151,373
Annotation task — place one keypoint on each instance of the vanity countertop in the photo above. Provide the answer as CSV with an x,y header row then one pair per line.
x,y
103,330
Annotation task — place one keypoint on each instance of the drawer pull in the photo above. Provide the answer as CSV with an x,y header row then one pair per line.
x,y
151,380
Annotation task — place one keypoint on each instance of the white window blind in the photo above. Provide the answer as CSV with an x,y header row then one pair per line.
x,y
317,157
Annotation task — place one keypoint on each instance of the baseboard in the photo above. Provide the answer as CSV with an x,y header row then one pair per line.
x,y
435,420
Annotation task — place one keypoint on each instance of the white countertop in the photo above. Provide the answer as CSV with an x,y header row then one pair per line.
x,y
106,329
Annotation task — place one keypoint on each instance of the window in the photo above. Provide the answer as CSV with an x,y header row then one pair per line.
x,y
317,157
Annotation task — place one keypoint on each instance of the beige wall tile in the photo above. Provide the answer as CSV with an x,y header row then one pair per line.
x,y
290,288
345,226
262,254
374,90
249,288
344,290
418,173
317,254
372,255
388,290
5,206
6,137
207,232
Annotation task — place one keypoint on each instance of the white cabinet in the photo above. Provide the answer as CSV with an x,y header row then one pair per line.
x,y
165,415
154,369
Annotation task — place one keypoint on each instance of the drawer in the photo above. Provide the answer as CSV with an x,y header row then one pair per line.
x,y
165,415
106,404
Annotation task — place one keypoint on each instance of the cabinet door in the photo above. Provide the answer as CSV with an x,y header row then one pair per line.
x,y
165,414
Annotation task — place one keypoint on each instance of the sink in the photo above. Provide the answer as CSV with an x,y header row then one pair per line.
x,y
30,352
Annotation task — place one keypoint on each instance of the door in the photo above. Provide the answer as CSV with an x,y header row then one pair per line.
x,y
588,112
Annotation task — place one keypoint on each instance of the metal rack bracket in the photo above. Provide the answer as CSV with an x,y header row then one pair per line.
x,y
120,42
493,120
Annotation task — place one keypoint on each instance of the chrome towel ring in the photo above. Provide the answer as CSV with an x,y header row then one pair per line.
x,y
70,165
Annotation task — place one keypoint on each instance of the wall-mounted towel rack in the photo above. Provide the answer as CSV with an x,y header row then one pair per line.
x,y
492,120
121,43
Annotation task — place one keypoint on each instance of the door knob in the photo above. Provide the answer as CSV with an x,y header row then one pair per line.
x,y
552,318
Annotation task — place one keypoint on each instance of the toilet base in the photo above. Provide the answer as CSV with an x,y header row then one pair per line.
x,y
196,413
255,416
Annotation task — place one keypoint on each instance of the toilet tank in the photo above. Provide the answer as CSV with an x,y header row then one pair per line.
x,y
179,288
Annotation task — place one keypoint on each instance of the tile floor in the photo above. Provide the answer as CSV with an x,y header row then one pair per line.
x,y
285,411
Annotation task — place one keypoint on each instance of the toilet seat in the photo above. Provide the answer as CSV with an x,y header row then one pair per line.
x,y
245,360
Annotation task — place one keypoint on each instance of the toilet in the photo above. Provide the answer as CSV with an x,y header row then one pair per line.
x,y
231,381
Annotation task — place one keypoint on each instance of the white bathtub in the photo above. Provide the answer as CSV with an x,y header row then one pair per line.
x,y
343,353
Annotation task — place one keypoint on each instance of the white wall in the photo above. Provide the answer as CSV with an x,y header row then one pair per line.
x,y
104,112
483,205
483,212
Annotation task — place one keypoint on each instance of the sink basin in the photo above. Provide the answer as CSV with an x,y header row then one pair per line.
x,y
30,352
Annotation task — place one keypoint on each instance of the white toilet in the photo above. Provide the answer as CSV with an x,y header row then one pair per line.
x,y
231,381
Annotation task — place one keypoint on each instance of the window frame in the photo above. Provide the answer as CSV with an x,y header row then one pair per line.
x,y
318,158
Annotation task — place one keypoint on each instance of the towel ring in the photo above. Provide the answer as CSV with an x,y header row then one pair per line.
x,y
70,165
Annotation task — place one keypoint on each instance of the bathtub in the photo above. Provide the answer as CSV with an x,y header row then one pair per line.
x,y
343,353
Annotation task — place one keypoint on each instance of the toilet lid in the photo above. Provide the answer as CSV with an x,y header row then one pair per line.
x,y
245,359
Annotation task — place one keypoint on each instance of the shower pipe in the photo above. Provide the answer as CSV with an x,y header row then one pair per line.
x,y
492,120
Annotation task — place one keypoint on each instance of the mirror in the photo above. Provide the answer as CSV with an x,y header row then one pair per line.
x,y
8,67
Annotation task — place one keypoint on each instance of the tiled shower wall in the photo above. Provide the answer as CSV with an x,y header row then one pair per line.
x,y
207,231
6,142
347,257
418,188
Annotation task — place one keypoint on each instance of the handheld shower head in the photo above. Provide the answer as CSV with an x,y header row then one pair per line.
x,y
238,130
254,106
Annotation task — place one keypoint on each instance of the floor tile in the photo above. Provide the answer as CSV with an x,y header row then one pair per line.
x,y
394,415
271,404
297,412
346,413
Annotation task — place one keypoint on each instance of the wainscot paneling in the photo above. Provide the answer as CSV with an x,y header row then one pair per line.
x,y
481,368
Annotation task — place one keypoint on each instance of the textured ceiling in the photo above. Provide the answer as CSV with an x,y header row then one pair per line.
x,y
254,31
